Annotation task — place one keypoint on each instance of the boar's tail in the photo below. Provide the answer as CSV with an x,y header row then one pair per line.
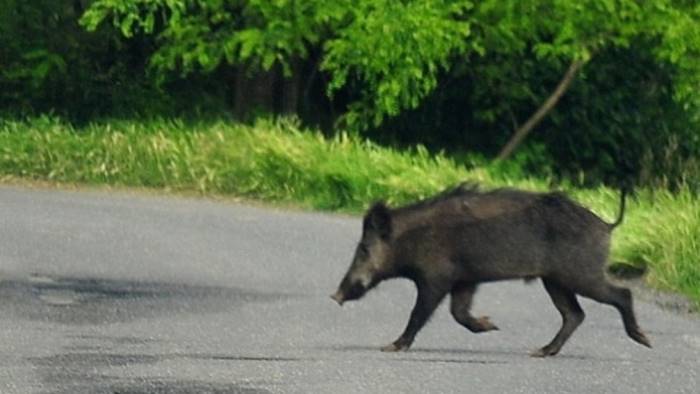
x,y
621,215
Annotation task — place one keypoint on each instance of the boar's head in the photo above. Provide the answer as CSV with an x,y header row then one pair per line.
x,y
372,261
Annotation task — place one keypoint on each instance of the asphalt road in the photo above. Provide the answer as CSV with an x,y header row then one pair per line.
x,y
116,293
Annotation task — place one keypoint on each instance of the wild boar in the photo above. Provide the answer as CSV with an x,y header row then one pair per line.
x,y
462,237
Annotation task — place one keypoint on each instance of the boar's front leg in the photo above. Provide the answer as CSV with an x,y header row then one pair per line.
x,y
427,301
460,303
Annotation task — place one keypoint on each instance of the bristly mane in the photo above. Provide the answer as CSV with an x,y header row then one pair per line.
x,y
462,189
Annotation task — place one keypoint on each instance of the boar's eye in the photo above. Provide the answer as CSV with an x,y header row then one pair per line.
x,y
362,250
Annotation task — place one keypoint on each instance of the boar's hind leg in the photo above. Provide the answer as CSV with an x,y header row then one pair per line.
x,y
571,313
460,303
621,299
427,301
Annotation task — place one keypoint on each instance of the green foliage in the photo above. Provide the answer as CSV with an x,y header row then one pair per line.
x,y
49,63
678,30
621,118
385,58
199,35
545,35
396,49
449,74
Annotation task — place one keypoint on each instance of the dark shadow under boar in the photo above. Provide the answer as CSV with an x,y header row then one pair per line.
x,y
450,243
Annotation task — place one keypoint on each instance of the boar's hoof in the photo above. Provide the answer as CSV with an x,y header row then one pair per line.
x,y
639,337
544,352
484,323
338,297
395,347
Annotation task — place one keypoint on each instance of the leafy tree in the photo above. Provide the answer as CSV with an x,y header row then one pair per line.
x,y
562,31
393,51
199,35
396,49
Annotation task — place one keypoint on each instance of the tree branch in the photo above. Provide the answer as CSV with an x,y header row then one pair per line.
x,y
546,107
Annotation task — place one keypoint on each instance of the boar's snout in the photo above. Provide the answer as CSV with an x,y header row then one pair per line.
x,y
349,290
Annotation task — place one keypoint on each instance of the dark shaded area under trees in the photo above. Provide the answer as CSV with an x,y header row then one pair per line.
x,y
450,75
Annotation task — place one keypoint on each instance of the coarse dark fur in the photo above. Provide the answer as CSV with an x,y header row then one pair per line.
x,y
450,243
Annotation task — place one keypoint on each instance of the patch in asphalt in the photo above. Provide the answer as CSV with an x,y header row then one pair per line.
x,y
79,373
90,301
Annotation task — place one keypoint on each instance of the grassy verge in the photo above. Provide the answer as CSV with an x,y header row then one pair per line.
x,y
277,161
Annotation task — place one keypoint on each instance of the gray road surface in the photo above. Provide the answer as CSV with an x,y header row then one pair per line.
x,y
115,293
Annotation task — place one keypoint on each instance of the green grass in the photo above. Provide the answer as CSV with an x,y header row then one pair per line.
x,y
278,161
663,234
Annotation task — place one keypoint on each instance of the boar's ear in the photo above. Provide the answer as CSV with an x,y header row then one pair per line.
x,y
378,218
